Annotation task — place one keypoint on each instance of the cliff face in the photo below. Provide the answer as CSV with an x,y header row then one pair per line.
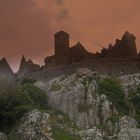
x,y
84,106
97,117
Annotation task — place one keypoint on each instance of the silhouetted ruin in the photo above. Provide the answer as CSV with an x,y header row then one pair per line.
x,y
27,67
122,57
124,48
65,55
6,74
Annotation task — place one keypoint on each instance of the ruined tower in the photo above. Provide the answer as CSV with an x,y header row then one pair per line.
x,y
62,48
129,43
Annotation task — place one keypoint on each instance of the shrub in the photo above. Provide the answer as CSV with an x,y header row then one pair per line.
x,y
62,135
115,94
13,105
26,80
134,98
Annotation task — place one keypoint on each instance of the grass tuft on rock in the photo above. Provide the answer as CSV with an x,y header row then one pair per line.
x,y
115,94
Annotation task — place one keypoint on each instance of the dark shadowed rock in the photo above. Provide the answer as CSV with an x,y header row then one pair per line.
x,y
33,126
3,136
6,73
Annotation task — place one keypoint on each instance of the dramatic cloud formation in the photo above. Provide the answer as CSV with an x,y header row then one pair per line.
x,y
27,26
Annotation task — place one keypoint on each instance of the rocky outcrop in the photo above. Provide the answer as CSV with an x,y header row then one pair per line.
x,y
3,136
91,134
130,81
127,129
76,95
33,126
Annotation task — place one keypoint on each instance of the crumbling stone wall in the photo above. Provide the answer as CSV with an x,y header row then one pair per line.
x,y
108,66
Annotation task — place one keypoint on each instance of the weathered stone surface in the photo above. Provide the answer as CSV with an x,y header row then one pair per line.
x,y
76,96
34,126
127,122
128,130
3,136
91,134
129,81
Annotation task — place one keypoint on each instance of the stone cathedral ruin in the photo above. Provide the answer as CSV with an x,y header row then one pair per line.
x,y
120,58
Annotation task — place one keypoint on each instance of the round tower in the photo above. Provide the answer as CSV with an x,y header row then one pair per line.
x,y
61,43
62,48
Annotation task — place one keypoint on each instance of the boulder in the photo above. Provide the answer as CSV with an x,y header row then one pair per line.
x,y
91,134
33,126
127,128
3,136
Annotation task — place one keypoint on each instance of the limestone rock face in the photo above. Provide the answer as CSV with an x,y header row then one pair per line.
x,y
128,130
3,136
130,80
76,96
91,134
34,126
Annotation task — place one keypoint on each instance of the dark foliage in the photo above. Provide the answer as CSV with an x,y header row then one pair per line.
x,y
14,104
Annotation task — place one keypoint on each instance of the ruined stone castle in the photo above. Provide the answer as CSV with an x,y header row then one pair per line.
x,y
65,55
122,57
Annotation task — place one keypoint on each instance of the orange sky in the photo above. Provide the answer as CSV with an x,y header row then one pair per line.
x,y
27,26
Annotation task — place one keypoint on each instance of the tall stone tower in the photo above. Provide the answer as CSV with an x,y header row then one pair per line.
x,y
62,48
129,44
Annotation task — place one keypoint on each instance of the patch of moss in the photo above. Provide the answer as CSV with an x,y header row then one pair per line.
x,y
62,135
114,119
134,98
55,87
86,83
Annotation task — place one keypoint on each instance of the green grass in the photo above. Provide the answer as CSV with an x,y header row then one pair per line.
x,y
14,104
55,87
61,135
134,99
115,94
